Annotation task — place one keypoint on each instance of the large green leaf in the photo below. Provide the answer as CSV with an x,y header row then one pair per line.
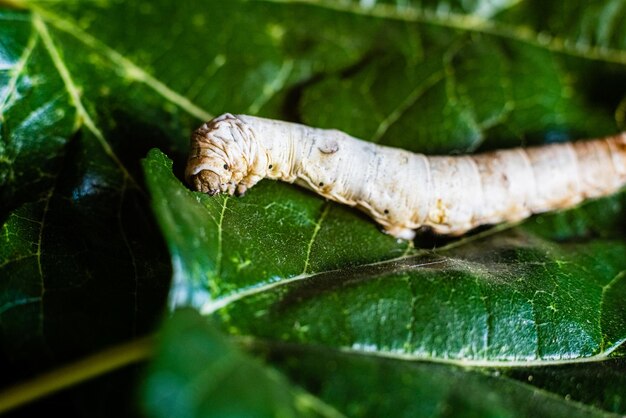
x,y
86,88
355,384
521,294
532,299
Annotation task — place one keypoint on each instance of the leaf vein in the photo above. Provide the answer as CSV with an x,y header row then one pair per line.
x,y
316,230
270,90
73,91
406,104
471,23
17,71
220,230
125,65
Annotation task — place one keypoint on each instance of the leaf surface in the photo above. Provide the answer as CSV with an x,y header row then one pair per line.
x,y
358,385
280,266
87,88
229,383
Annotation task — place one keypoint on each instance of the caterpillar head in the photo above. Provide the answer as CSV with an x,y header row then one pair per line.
x,y
220,155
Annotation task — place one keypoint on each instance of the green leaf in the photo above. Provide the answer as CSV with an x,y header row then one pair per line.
x,y
77,237
225,245
87,88
229,383
82,265
517,295
376,386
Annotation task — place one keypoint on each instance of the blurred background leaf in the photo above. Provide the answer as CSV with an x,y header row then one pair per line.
x,y
87,88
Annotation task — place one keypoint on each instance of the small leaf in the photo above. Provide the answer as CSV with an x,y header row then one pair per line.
x,y
199,373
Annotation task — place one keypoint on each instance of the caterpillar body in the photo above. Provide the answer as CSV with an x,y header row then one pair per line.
x,y
401,190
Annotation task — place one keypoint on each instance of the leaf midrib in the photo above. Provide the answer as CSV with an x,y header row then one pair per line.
x,y
471,23
125,65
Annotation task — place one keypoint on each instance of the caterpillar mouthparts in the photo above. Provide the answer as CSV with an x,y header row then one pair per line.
x,y
206,181
400,190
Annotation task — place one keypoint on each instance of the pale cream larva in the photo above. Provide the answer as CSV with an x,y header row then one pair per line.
x,y
402,190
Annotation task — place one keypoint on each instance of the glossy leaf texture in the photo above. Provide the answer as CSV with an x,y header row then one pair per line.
x,y
87,88
82,265
357,385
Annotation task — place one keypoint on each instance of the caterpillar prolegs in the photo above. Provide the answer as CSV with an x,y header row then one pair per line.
x,y
401,190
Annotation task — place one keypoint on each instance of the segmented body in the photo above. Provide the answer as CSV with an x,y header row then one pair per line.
x,y
401,190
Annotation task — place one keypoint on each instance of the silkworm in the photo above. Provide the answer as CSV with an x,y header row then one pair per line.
x,y
401,190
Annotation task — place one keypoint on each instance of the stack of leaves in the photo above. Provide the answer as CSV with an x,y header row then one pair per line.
x,y
280,303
